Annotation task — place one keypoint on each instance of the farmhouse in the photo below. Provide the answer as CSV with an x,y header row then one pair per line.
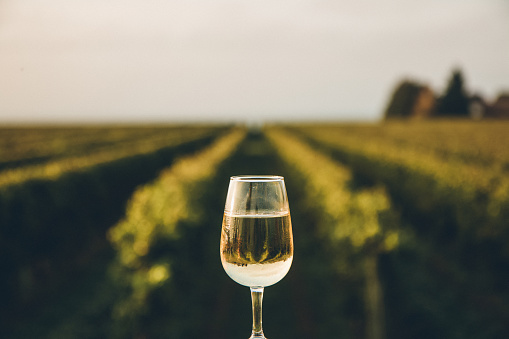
x,y
477,107
500,108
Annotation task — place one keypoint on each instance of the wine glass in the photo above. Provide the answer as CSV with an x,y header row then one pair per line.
x,y
256,237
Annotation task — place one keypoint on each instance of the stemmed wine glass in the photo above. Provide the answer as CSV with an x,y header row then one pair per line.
x,y
256,237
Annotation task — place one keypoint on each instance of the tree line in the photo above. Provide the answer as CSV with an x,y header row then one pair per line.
x,y
412,99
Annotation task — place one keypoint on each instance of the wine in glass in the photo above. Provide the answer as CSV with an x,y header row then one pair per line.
x,y
256,237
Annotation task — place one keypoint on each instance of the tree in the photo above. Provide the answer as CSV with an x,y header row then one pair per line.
x,y
454,102
403,99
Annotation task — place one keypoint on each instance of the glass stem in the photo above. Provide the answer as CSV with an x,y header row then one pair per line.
x,y
257,298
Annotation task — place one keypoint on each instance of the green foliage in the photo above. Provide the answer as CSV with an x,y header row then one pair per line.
x,y
147,239
53,216
456,208
23,146
357,224
351,215
406,217
455,100
63,158
467,192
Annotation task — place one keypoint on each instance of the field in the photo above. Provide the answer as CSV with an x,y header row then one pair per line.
x,y
400,230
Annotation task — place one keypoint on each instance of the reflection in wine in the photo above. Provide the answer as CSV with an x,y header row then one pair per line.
x,y
257,250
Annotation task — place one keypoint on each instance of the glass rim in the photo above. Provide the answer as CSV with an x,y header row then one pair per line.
x,y
257,178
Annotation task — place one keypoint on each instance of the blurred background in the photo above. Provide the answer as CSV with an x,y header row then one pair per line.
x,y
121,122
232,61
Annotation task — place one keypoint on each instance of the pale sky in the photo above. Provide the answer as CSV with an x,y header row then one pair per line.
x,y
237,60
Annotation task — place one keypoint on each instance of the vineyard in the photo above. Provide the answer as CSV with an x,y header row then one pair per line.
x,y
400,230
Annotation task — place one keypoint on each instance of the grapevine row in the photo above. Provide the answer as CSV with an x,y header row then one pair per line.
x,y
480,142
354,222
55,168
353,215
422,276
53,214
473,197
20,146
153,226
455,253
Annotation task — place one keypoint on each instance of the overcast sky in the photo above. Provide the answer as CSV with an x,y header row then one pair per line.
x,y
236,60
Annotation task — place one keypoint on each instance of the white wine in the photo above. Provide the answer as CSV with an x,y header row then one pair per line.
x,y
257,250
